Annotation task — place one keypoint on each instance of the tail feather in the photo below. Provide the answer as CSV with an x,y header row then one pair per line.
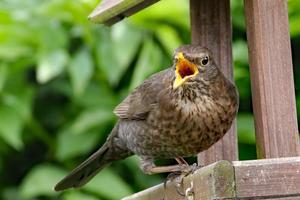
x,y
113,149
85,171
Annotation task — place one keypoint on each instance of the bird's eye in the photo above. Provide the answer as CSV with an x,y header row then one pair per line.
x,y
204,60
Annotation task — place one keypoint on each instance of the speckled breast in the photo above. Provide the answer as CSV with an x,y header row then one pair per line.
x,y
192,128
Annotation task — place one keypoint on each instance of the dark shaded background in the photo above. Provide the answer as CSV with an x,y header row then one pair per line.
x,y
61,76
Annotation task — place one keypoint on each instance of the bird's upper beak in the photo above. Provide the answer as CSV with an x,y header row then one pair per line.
x,y
184,70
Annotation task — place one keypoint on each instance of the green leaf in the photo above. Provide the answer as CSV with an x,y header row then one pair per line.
x,y
117,50
80,70
169,38
3,75
77,195
98,95
109,185
70,145
245,127
51,64
240,52
138,176
11,193
91,118
11,51
41,180
165,12
148,63
10,127
20,102
238,17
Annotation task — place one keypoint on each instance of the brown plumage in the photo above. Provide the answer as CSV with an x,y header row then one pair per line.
x,y
175,113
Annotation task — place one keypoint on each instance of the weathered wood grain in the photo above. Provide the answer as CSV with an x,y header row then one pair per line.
x,y
109,12
277,178
272,78
211,27
215,181
268,178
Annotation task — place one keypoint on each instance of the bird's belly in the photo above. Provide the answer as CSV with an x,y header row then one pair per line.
x,y
170,143
181,133
173,140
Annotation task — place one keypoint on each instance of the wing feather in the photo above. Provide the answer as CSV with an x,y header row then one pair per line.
x,y
144,98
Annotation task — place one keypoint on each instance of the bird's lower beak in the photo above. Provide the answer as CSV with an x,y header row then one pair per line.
x,y
184,70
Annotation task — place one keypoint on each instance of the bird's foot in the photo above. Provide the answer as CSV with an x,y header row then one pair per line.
x,y
178,176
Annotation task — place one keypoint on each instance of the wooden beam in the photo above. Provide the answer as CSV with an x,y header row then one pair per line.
x,y
109,12
277,178
268,177
215,181
272,82
211,27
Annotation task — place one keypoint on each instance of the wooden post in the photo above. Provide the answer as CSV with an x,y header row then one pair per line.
x,y
272,78
211,27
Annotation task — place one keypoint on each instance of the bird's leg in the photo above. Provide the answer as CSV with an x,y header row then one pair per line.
x,y
178,172
181,161
148,167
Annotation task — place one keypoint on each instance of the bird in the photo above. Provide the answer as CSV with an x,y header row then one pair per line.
x,y
175,113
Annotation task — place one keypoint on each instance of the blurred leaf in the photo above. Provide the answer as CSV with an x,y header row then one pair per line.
x,y
10,51
91,118
51,64
97,95
3,75
294,26
240,52
238,17
246,130
70,145
294,17
138,176
80,71
164,12
115,55
76,195
41,181
20,102
11,193
169,38
108,184
10,127
47,30
148,63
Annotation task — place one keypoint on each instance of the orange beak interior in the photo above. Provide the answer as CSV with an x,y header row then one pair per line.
x,y
184,70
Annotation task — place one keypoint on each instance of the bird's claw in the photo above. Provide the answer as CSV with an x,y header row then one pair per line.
x,y
178,176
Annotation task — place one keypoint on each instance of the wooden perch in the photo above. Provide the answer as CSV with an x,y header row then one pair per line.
x,y
109,12
258,179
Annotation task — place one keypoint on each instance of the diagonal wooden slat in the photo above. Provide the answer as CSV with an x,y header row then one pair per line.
x,y
109,12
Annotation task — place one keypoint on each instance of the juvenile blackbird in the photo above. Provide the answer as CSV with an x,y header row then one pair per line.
x,y
175,113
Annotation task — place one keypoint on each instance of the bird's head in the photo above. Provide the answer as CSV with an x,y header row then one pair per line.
x,y
191,64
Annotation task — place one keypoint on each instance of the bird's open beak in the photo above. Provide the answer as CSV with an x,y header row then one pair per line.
x,y
184,70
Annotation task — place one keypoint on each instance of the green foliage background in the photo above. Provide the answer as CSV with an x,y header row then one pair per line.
x,y
61,76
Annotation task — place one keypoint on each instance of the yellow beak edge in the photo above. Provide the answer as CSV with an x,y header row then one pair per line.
x,y
181,65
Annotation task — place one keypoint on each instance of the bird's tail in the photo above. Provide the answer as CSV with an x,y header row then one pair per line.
x,y
91,166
